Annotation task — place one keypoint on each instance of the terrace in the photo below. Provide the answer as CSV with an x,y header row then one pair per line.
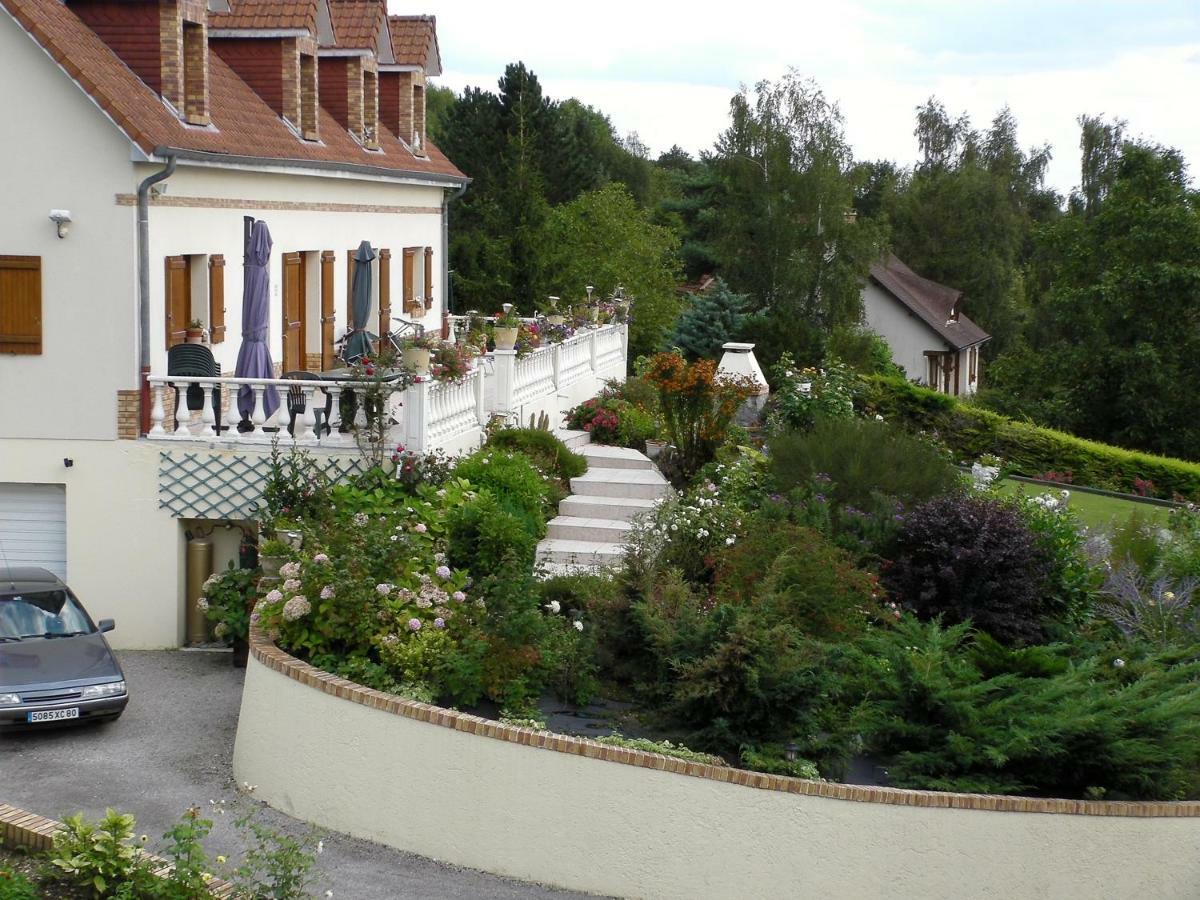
x,y
425,415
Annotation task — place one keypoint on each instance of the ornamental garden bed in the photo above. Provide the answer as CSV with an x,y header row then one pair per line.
x,y
843,595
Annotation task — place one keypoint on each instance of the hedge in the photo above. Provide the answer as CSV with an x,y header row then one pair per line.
x,y
1027,449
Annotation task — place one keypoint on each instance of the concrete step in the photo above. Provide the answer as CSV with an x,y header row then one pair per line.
x,y
620,509
579,553
603,456
575,528
574,439
643,484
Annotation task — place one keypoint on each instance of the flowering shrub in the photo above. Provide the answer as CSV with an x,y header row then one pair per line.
x,y
692,529
452,362
803,396
227,601
697,405
529,338
611,419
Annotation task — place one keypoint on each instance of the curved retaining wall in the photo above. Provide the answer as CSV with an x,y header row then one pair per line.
x,y
581,815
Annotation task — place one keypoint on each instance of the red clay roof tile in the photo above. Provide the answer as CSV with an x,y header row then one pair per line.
x,y
357,23
414,42
267,14
243,125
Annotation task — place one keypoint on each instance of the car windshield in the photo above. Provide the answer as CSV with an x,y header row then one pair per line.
x,y
53,613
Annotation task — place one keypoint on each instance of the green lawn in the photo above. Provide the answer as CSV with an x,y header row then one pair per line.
x,y
1094,510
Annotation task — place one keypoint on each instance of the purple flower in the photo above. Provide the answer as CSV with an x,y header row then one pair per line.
x,y
420,528
443,572
320,558
820,498
439,622
383,589
459,596
414,624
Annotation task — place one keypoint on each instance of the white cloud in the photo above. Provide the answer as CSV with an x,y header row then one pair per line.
x,y
667,71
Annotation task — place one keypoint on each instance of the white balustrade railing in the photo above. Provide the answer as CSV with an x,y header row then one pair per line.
x,y
435,414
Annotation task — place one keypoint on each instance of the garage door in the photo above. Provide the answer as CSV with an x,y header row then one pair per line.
x,y
33,526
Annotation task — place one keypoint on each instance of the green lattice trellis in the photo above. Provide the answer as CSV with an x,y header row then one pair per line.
x,y
220,486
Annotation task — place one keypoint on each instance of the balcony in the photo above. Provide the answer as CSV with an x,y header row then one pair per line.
x,y
429,415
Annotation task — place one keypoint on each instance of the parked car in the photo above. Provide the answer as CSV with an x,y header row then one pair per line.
x,y
55,665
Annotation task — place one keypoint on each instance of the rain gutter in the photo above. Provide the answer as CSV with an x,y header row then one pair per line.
x,y
143,255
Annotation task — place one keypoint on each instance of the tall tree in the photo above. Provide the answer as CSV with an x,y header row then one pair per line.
x,y
1100,151
783,235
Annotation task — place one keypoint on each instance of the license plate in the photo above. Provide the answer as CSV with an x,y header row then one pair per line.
x,y
54,715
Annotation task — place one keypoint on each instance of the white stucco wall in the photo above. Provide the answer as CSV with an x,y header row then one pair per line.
x,y
197,230
59,152
629,831
907,335
125,555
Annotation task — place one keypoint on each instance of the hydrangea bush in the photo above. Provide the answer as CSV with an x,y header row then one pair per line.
x,y
803,396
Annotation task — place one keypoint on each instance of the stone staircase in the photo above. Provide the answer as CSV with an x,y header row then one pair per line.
x,y
593,522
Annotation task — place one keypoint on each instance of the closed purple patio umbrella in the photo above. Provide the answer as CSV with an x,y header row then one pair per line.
x,y
254,357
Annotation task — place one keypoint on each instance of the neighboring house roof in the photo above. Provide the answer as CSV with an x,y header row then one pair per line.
x,y
414,43
261,15
936,305
243,125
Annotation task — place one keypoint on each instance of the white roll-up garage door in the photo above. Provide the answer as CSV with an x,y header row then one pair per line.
x,y
33,526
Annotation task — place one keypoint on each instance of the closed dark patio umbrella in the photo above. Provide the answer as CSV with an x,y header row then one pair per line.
x,y
359,342
254,357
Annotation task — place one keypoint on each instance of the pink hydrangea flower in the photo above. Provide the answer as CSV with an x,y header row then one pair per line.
x,y
414,624
420,528
291,585
383,589
327,592
443,572
321,558
459,596
274,596
439,622
290,569
296,608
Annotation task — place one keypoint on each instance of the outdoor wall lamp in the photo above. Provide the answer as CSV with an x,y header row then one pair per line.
x,y
61,218
68,462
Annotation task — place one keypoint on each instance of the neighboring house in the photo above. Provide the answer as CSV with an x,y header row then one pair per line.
x,y
931,338
306,114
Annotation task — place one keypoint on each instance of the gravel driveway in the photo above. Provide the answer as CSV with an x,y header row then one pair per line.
x,y
173,748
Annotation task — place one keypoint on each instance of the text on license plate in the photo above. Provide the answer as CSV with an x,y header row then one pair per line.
x,y
54,715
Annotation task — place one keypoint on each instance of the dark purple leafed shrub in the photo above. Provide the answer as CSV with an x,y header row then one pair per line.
x,y
964,557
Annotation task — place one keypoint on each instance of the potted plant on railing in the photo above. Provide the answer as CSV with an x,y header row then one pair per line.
x,y
418,351
553,316
508,323
529,338
228,602
452,362
195,332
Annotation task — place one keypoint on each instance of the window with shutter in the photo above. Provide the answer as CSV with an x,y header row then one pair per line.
x,y
177,295
412,305
428,278
385,292
216,298
21,305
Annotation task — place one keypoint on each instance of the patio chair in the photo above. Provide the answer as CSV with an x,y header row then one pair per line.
x,y
295,403
195,361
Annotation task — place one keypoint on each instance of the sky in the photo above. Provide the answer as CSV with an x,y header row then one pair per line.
x,y
667,70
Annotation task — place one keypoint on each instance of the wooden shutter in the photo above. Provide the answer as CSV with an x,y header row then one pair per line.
x,y
21,305
216,298
178,297
293,294
429,278
385,293
328,316
411,304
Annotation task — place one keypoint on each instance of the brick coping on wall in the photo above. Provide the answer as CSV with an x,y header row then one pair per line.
x,y
19,828
278,660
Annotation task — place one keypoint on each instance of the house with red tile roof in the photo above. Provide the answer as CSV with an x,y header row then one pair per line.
x,y
932,339
139,137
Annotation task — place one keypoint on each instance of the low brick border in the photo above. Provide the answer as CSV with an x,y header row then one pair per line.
x,y
279,661
19,828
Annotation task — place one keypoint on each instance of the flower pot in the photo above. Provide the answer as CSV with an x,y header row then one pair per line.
x,y
270,565
506,338
417,359
195,336
241,653
554,320
655,448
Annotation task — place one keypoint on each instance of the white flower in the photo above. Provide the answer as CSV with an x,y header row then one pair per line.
x,y
1119,663
291,585
730,541
327,592
806,388
383,589
210,580
321,558
290,569
878,417
578,625
274,596
296,608
360,519
554,606
321,849
202,604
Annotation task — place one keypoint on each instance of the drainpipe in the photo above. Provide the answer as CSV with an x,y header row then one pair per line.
x,y
143,255
446,199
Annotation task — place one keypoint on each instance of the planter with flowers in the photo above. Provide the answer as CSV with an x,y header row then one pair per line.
x,y
508,325
452,362
418,351
529,338
227,602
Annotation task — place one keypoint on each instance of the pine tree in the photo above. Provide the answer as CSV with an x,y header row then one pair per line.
x,y
710,319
